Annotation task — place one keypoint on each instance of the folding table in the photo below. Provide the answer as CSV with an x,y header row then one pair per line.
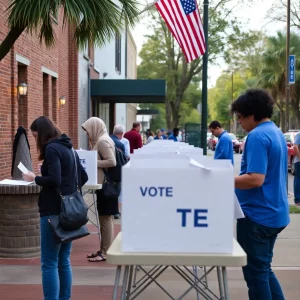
x,y
179,262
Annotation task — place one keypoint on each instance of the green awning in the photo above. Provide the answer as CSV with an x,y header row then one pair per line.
x,y
128,90
150,112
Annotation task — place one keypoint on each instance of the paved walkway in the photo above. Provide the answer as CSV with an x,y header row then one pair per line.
x,y
20,279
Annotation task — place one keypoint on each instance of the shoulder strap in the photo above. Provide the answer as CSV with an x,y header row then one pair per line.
x,y
76,174
76,171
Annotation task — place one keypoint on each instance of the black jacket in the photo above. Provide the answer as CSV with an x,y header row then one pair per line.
x,y
58,174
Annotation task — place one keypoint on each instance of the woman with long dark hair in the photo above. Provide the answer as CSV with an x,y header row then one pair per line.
x,y
57,178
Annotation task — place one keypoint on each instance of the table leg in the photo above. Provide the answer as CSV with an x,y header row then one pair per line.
x,y
206,281
96,215
134,276
224,273
220,282
125,278
129,282
117,281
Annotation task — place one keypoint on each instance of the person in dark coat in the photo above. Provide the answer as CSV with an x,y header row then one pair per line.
x,y
58,176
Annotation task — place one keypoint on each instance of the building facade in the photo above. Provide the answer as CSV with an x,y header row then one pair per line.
x,y
50,74
131,108
117,60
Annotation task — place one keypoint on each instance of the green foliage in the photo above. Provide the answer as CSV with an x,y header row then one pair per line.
x,y
221,96
95,21
162,58
262,64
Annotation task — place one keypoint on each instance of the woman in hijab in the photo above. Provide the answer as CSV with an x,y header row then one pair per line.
x,y
100,141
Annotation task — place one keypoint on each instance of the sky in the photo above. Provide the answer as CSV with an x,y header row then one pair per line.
x,y
256,15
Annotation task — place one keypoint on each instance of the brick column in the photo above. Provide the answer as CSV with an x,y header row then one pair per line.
x,y
73,88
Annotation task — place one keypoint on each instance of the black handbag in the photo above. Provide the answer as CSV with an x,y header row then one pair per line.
x,y
110,188
73,210
64,236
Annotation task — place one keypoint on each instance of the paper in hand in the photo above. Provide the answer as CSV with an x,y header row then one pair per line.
x,y
22,168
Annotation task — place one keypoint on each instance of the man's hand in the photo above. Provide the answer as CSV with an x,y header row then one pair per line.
x,y
30,176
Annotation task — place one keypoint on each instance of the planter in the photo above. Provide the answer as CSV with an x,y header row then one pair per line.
x,y
19,221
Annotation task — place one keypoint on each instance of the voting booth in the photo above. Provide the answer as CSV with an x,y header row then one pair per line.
x,y
179,209
180,204
88,160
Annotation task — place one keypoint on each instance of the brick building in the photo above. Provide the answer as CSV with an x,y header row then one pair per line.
x,y
49,75
64,71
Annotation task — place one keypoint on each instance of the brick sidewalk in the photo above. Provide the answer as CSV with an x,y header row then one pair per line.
x,y
21,278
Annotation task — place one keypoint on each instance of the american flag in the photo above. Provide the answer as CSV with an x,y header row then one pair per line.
x,y
183,20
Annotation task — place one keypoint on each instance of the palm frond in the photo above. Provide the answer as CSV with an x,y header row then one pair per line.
x,y
96,21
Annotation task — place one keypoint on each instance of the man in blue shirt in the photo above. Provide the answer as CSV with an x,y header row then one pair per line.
x,y
174,135
297,169
224,148
163,132
261,191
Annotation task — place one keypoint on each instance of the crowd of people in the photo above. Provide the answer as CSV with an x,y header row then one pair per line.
x,y
161,134
260,189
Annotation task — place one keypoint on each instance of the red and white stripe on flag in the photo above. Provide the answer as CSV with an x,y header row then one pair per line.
x,y
183,20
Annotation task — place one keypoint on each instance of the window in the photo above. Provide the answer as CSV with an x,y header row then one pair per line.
x,y
118,53
46,95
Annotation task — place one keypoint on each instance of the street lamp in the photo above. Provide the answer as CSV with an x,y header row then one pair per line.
x,y
62,100
204,80
287,83
22,89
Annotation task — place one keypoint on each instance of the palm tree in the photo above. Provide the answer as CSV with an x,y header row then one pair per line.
x,y
94,20
273,74
274,71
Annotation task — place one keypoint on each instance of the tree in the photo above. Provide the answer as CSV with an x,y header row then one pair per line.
x,y
162,58
95,21
248,56
273,74
220,97
278,11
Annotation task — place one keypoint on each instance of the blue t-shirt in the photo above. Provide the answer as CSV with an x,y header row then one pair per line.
x,y
224,148
265,153
173,137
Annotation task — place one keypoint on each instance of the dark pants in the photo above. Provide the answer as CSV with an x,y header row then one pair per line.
x,y
297,183
258,242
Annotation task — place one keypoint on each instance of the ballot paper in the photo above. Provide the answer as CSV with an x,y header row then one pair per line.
x,y
15,182
22,168
238,213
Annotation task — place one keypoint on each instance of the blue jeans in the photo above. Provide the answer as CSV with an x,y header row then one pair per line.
x,y
55,265
258,242
297,183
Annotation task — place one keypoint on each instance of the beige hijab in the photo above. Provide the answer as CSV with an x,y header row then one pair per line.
x,y
101,142
96,130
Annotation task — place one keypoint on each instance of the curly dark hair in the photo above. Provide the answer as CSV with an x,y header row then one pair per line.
x,y
255,102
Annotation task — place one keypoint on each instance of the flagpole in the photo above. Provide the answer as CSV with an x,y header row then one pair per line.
x,y
204,81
